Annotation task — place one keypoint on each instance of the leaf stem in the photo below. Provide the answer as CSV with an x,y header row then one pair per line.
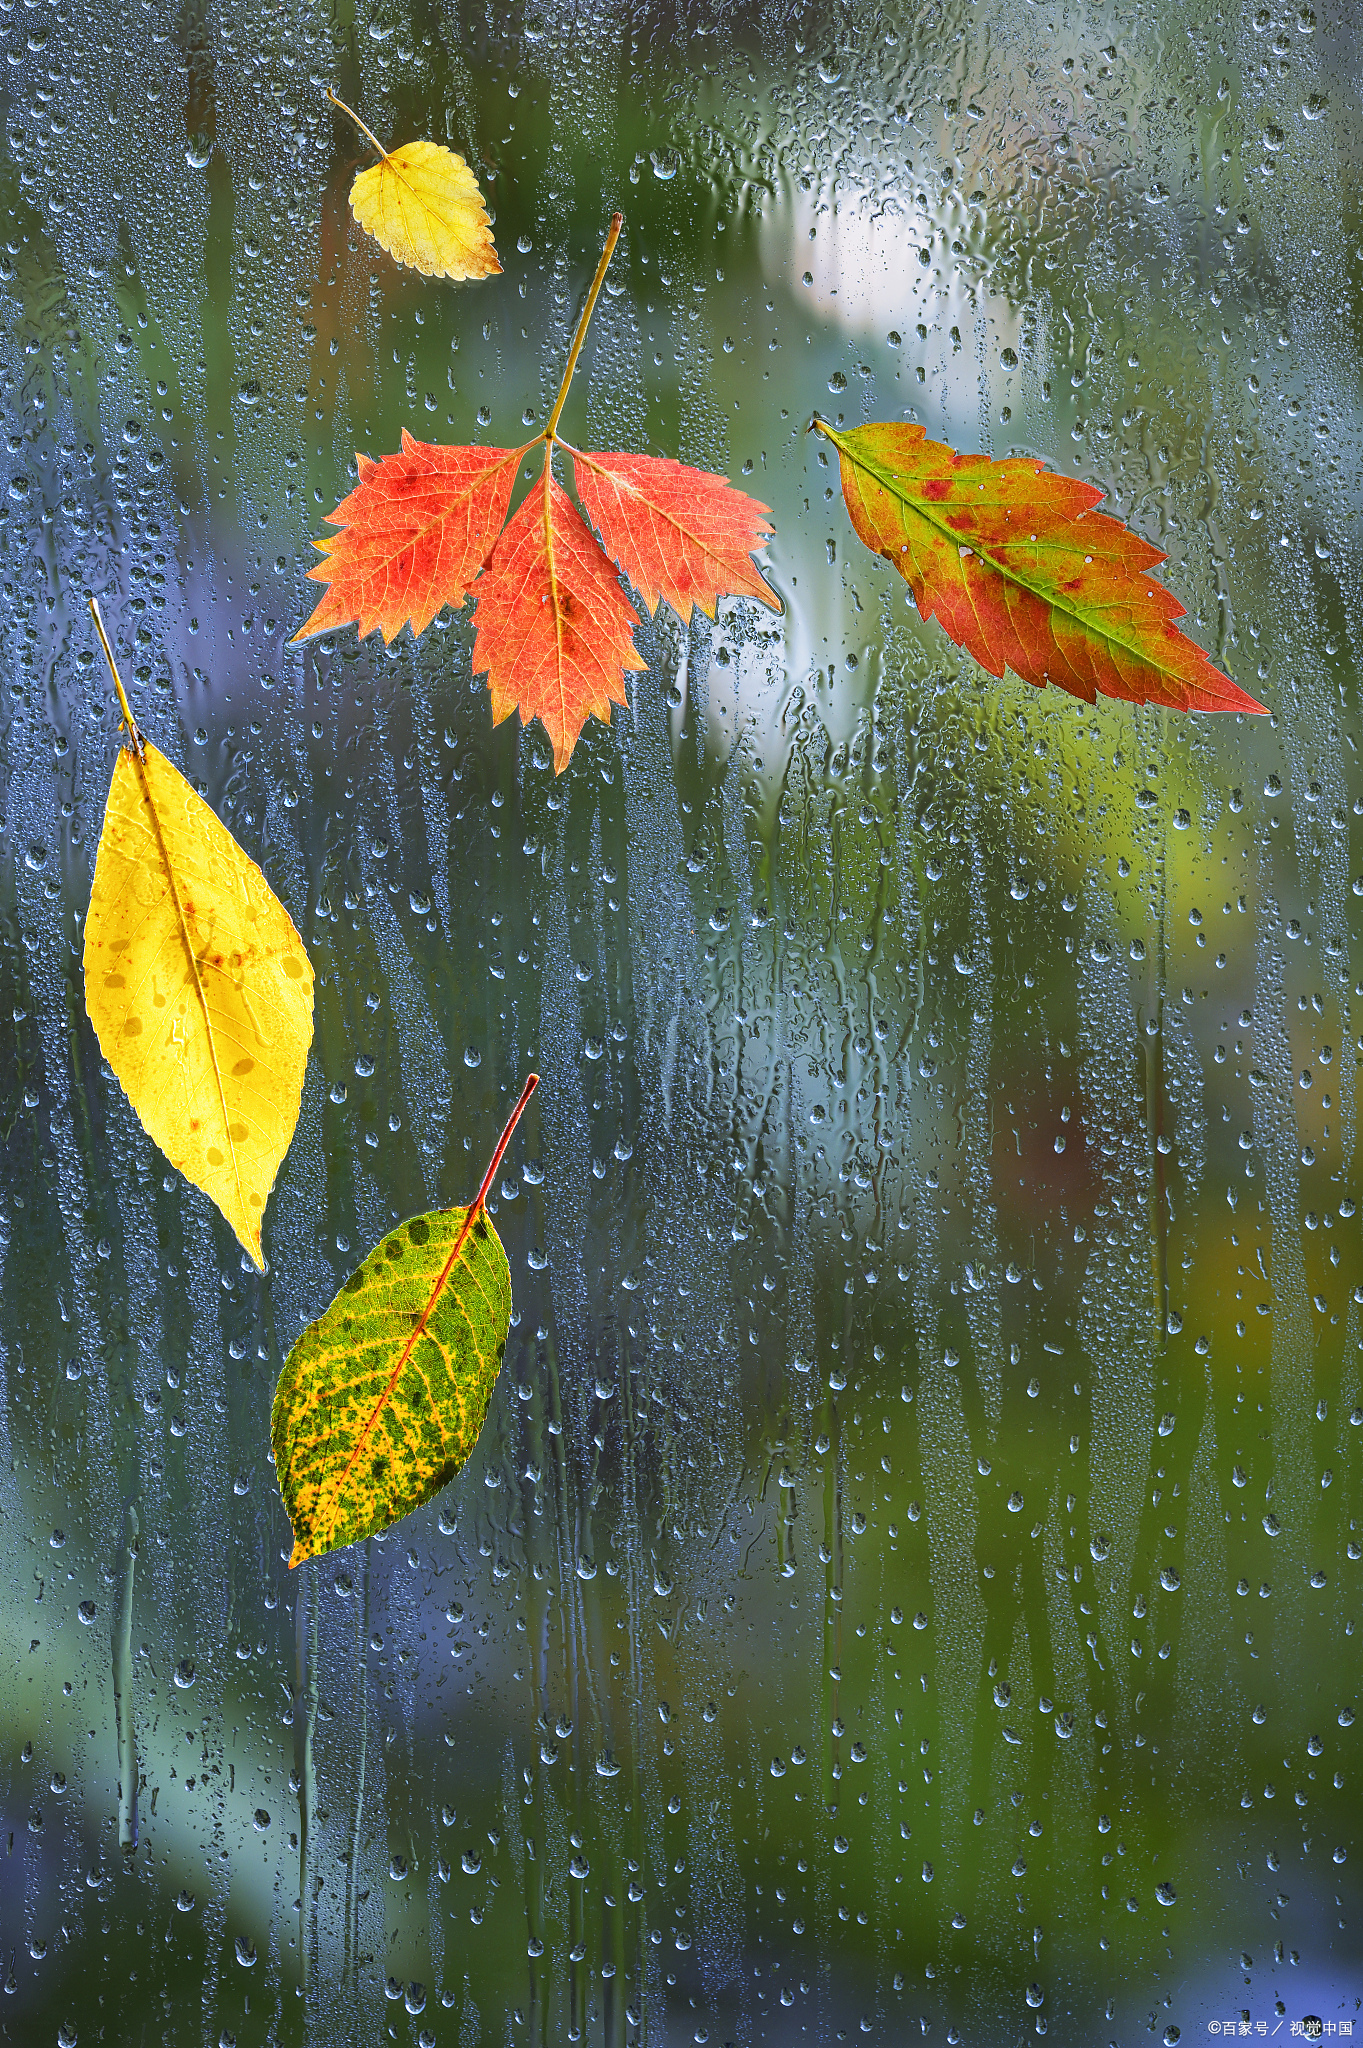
x,y
612,237
337,101
133,732
532,1082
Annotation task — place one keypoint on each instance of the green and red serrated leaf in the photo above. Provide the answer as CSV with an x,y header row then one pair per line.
x,y
417,528
554,630
680,534
382,1399
1023,573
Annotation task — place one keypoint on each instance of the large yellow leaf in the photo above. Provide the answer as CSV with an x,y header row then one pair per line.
x,y
423,204
197,985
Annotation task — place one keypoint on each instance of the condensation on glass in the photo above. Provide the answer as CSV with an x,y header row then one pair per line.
x,y
909,1575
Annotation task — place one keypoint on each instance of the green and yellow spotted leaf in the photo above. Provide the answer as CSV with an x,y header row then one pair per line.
x,y
382,1399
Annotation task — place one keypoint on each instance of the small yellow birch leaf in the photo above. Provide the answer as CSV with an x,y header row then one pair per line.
x,y
422,203
197,984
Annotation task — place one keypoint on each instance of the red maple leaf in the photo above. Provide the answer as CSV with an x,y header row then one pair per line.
x,y
1023,573
680,534
555,632
416,530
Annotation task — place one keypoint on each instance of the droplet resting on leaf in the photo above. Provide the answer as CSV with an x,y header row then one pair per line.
x,y
197,984
382,1399
1021,571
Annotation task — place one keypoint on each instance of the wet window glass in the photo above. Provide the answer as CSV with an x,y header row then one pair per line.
x,y
907,1581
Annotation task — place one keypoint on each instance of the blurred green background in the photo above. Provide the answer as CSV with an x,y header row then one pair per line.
x,y
909,1576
